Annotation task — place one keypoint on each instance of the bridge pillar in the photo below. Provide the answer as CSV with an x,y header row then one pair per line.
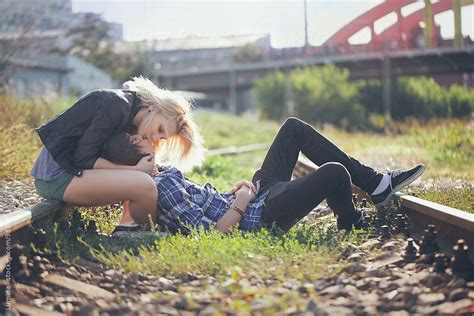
x,y
289,95
386,87
428,19
233,90
458,40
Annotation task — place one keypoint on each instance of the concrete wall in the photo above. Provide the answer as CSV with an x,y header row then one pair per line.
x,y
80,78
29,82
85,77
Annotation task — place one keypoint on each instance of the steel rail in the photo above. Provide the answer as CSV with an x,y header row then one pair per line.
x,y
451,224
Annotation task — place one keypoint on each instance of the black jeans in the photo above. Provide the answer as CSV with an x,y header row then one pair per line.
x,y
289,201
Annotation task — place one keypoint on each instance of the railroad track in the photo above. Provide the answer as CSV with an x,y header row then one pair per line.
x,y
451,225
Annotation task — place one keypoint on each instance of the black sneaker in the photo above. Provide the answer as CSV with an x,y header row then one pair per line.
x,y
121,231
398,180
136,231
361,220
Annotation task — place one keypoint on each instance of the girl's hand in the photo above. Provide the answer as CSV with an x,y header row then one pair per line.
x,y
240,184
147,165
246,194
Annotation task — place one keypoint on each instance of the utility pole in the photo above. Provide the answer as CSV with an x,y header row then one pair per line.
x,y
306,42
233,89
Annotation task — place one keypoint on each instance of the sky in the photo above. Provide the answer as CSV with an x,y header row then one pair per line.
x,y
282,19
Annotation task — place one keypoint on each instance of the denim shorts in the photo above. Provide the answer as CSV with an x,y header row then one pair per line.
x,y
54,189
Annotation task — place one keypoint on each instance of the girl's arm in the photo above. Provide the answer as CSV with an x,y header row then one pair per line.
x,y
243,197
107,120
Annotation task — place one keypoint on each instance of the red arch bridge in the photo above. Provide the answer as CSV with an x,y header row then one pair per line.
x,y
392,52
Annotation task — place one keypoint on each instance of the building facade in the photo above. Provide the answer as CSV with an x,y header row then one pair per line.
x,y
54,74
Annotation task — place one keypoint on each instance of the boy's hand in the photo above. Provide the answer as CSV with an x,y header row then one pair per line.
x,y
246,194
147,165
240,184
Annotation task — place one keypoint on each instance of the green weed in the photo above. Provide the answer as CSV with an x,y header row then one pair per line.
x,y
459,196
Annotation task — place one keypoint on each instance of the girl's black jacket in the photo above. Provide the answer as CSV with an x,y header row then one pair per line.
x,y
75,137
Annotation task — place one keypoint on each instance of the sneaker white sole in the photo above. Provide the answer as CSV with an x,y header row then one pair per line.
x,y
400,187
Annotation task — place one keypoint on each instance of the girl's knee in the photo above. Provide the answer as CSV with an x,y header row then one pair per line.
x,y
145,184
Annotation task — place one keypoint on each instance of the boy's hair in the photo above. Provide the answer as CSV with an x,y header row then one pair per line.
x,y
121,150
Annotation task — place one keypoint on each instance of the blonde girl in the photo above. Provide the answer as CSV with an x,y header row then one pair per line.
x,y
69,167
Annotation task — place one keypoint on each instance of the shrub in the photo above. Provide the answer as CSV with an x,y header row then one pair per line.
x,y
370,95
19,143
320,95
270,95
460,101
325,95
419,97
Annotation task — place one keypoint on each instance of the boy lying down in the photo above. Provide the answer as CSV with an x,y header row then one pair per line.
x,y
272,199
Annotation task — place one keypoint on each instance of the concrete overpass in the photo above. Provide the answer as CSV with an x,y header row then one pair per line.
x,y
235,81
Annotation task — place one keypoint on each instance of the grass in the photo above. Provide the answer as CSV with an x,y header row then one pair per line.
x,y
228,130
19,144
307,252
445,147
460,196
246,268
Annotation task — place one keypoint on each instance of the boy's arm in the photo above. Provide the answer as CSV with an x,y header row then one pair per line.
x,y
146,164
232,216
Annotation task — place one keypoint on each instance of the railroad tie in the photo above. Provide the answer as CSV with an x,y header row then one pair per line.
x,y
89,290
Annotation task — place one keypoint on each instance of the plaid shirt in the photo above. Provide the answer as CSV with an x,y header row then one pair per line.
x,y
183,202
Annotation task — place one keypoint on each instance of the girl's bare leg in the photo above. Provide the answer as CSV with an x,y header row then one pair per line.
x,y
126,219
98,187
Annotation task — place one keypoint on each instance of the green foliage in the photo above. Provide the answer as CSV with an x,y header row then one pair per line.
x,y
418,97
31,112
451,144
370,95
325,95
19,143
460,196
270,95
249,53
320,95
460,101
224,130
211,253
222,170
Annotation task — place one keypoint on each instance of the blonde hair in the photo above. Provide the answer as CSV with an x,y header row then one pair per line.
x,y
183,150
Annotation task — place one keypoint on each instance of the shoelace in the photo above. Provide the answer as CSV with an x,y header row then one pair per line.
x,y
396,173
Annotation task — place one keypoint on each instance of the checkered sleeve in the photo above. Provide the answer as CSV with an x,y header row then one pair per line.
x,y
174,198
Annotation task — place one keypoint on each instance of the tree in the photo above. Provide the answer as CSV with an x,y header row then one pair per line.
x,y
270,95
15,37
249,53
325,95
